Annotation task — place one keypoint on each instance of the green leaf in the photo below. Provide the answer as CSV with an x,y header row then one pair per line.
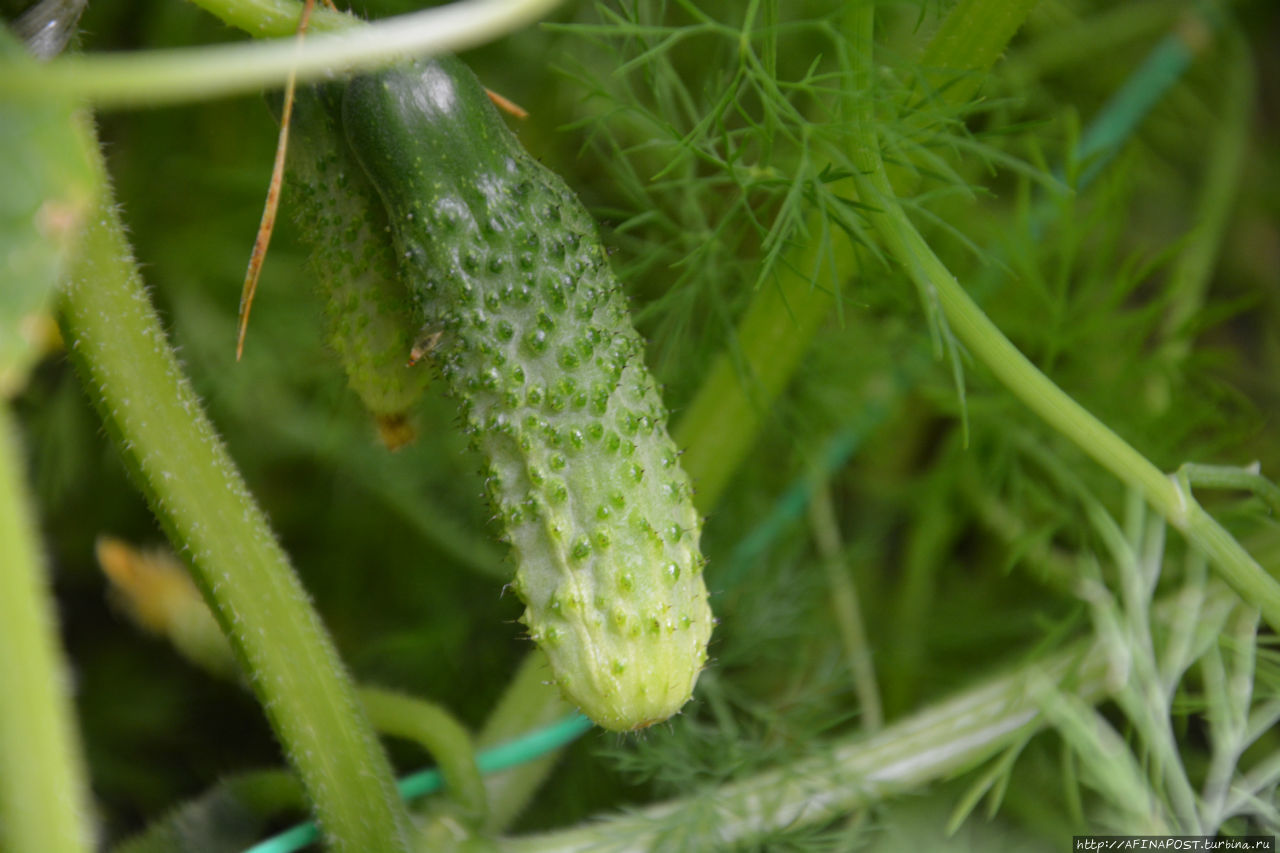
x,y
49,186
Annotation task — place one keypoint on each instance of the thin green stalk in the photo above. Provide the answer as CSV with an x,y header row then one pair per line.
x,y
44,802
1224,165
1229,672
792,502
904,650
979,335
128,367
164,76
530,701
1146,697
989,345
440,734
845,606
1106,764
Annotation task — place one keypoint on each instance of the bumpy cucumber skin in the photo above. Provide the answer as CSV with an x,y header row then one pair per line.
x,y
536,342
371,326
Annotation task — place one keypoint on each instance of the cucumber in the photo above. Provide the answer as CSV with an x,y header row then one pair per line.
x,y
367,307
532,335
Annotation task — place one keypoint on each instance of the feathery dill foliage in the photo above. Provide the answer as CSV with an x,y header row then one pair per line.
x,y
719,125
1194,746
725,130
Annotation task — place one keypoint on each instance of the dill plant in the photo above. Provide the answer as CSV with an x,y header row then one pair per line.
x,y
923,586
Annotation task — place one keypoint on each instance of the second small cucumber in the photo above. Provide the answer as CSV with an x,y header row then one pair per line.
x,y
371,325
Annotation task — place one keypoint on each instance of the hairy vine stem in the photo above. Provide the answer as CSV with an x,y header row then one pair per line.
x,y
128,367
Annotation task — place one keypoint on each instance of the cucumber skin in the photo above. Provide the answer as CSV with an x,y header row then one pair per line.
x,y
367,306
537,344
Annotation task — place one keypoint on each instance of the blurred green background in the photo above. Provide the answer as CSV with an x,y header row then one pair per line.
x,y
399,552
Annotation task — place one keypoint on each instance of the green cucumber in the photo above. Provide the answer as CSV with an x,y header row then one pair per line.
x,y
367,306
532,334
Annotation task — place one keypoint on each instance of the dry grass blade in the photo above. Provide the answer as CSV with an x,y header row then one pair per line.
x,y
268,223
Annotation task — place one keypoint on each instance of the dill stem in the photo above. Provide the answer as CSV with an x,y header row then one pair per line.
x,y
987,343
847,610
904,649
129,369
1224,166
43,801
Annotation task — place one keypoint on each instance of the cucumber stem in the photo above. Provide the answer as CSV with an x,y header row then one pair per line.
x,y
149,407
